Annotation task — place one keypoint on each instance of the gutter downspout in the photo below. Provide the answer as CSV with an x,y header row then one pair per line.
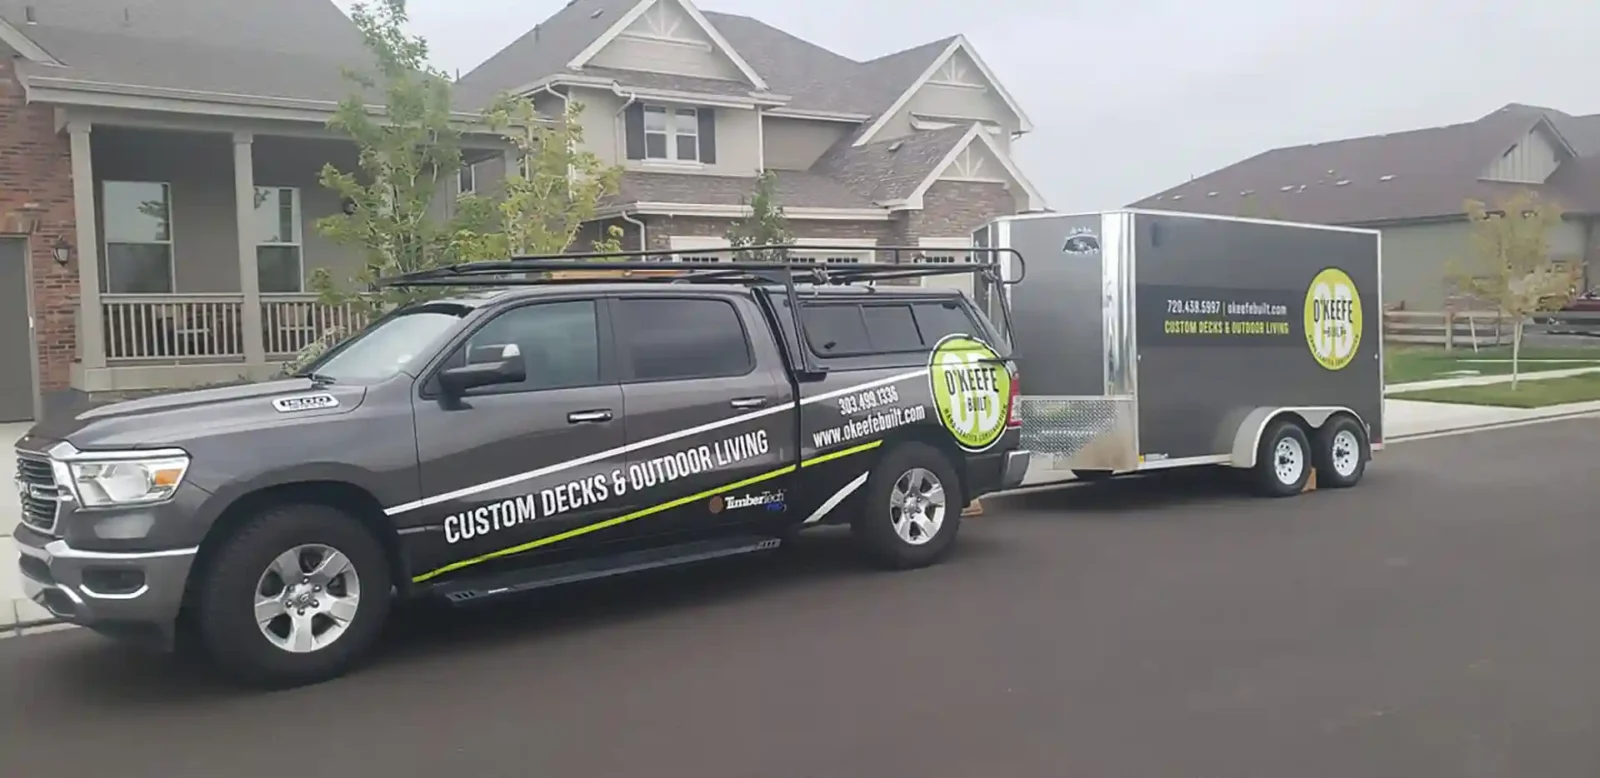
x,y
644,240
622,137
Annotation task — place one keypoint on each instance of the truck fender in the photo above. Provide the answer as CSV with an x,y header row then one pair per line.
x,y
1247,436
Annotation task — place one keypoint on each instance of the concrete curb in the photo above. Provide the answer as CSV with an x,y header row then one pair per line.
x,y
12,626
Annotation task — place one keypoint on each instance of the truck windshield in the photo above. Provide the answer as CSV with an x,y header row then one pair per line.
x,y
388,347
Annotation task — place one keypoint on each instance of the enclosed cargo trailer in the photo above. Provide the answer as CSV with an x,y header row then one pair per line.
x,y
1149,340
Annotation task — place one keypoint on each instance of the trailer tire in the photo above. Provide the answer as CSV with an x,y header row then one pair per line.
x,y
1340,453
345,587
912,509
1283,460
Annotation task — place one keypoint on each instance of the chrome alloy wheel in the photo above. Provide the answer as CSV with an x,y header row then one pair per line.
x,y
917,506
307,597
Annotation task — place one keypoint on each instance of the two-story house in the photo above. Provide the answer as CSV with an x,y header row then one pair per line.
x,y
912,148
1412,185
159,189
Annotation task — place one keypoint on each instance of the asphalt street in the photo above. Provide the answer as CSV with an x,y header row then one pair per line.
x,y
1440,621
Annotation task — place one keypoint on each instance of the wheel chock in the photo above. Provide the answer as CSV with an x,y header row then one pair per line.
x,y
974,508
1311,482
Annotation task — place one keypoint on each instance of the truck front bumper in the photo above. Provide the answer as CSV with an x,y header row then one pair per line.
x,y
137,594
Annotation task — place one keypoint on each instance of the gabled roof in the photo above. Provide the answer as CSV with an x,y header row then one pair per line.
x,y
957,44
889,171
1403,176
293,49
622,23
813,79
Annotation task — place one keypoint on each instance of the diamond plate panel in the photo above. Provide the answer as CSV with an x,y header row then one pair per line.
x,y
1083,433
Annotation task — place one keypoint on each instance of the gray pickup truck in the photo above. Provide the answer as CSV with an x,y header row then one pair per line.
x,y
522,432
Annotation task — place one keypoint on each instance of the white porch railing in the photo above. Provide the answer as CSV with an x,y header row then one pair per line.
x,y
208,328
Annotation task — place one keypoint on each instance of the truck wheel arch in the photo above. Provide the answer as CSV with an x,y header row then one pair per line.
x,y
343,495
1247,436
935,436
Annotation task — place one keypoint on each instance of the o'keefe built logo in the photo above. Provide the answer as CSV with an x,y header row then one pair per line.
x,y
970,389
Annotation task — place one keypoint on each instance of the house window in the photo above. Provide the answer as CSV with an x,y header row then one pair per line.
x,y
138,225
831,257
278,258
671,134
467,179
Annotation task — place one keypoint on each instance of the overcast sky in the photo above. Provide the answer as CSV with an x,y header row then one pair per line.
x,y
1129,98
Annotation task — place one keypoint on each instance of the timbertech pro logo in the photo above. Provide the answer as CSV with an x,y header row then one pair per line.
x,y
1333,319
970,390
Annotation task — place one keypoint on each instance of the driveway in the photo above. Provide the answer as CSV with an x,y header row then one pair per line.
x,y
1438,622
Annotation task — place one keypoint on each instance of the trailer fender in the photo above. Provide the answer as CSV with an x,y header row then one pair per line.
x,y
1247,437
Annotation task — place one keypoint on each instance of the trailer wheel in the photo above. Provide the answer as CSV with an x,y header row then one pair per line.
x,y
1283,460
913,508
1341,453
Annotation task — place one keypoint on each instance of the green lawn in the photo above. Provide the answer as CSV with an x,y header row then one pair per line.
x,y
1535,393
1423,363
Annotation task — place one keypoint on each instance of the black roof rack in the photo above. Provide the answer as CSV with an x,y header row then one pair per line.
x,y
660,267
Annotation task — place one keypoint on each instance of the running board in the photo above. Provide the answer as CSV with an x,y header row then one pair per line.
x,y
517,581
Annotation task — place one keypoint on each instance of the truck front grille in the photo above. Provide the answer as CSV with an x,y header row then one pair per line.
x,y
38,492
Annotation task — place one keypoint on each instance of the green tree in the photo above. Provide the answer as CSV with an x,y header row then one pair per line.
x,y
765,225
1510,266
559,189
407,149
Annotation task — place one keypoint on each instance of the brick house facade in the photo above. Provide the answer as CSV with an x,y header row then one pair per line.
x,y
36,206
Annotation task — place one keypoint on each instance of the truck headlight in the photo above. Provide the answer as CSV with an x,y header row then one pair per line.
x,y
127,481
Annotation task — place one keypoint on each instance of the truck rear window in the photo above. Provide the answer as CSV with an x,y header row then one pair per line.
x,y
836,329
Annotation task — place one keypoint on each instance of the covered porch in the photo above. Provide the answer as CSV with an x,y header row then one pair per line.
x,y
196,246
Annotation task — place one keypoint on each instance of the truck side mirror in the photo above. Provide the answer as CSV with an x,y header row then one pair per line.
x,y
509,369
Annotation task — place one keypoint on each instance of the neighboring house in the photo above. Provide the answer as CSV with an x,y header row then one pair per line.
x,y
1412,186
909,149
158,186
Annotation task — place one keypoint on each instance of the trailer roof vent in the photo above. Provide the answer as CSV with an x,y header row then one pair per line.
x,y
1211,194
1286,188
1389,177
1341,182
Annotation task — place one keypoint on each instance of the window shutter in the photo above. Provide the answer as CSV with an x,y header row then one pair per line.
x,y
633,128
708,136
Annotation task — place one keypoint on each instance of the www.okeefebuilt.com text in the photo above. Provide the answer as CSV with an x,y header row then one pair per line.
x,y
599,487
883,420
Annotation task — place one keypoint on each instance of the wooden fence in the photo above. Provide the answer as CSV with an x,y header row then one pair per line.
x,y
1479,328
1472,329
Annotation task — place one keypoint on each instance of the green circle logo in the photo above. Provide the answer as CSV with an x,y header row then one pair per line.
x,y
1333,319
971,388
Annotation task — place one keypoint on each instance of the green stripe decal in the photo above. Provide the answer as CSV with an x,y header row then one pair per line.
x,y
639,514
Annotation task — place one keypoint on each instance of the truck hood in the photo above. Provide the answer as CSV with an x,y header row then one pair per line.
x,y
173,419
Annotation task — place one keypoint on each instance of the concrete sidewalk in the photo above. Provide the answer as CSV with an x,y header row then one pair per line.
x,y
1485,380
1402,419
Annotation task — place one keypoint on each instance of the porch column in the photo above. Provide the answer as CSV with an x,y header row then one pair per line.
x,y
91,319
244,199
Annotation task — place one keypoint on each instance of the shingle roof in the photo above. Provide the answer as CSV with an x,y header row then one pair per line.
x,y
794,188
1418,174
889,170
815,78
286,48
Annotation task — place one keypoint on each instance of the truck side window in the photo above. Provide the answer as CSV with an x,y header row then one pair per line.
x,y
846,329
937,319
560,343
664,339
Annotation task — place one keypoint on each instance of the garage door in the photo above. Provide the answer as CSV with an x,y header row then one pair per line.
x,y
16,375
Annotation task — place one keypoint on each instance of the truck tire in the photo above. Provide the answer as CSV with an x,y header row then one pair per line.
x,y
1283,460
1340,452
912,509
261,626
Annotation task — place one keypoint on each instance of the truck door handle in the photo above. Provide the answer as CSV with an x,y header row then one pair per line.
x,y
585,417
749,402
